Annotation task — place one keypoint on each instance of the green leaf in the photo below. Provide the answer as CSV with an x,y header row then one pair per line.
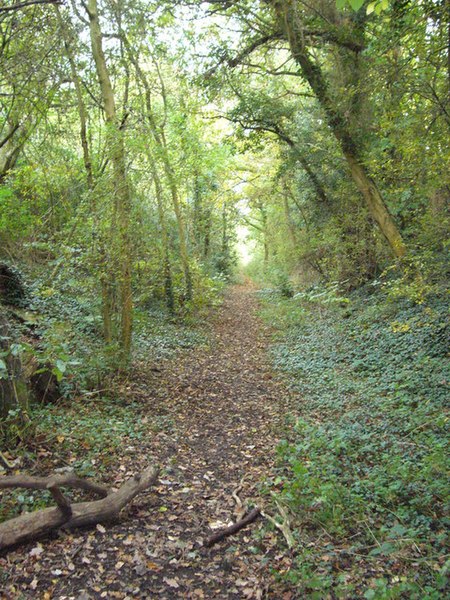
x,y
356,4
341,4
58,374
16,349
61,366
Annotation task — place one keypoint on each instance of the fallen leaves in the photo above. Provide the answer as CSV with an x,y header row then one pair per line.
x,y
221,413
36,551
173,583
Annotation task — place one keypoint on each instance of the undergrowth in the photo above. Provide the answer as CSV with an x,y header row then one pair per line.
x,y
363,465
94,427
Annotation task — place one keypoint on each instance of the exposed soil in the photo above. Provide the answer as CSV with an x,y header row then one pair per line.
x,y
221,409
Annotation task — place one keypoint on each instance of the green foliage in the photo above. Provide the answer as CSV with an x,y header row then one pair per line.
x,y
366,460
16,218
158,337
378,6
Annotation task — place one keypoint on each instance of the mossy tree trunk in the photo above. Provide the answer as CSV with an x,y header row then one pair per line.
x,y
289,18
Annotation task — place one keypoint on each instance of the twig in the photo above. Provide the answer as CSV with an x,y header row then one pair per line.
x,y
62,502
223,533
5,462
240,510
18,6
284,526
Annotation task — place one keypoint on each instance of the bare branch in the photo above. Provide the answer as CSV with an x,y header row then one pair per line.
x,y
41,483
20,5
233,62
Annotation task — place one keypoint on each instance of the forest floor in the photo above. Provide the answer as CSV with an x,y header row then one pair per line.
x,y
220,413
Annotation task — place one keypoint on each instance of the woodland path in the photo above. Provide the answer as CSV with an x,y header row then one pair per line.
x,y
220,408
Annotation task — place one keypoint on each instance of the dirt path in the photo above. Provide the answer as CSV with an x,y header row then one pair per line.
x,y
217,409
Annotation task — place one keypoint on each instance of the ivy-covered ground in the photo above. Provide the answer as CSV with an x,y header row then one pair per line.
x,y
358,480
363,466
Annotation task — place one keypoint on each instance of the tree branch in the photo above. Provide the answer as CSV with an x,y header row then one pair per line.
x,y
222,533
4,9
31,526
233,62
41,483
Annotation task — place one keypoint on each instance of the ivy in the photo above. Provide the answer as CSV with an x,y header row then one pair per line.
x,y
367,456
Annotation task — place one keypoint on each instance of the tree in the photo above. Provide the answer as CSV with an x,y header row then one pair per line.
x,y
122,192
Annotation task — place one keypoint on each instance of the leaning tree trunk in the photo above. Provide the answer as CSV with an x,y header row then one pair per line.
x,y
287,13
12,145
116,146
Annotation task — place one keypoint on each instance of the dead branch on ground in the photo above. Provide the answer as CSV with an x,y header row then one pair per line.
x,y
31,526
284,526
223,533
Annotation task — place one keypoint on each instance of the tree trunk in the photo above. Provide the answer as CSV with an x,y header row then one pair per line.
x,y
106,292
184,254
287,13
12,146
161,144
168,282
207,238
82,115
116,147
288,217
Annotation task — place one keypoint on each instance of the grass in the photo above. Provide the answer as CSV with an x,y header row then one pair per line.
x,y
363,466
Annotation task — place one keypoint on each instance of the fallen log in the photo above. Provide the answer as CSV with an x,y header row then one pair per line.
x,y
42,483
31,526
223,533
